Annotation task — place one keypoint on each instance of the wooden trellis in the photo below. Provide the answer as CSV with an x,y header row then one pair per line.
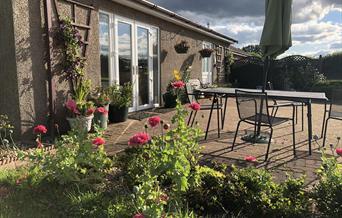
x,y
76,24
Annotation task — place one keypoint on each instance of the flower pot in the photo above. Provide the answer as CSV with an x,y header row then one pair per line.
x,y
205,53
101,119
81,122
182,47
169,100
117,114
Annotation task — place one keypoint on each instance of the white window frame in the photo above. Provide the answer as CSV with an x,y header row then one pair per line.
x,y
114,56
210,64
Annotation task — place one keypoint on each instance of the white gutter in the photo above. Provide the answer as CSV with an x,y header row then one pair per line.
x,y
170,16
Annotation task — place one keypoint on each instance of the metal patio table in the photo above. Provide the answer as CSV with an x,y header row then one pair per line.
x,y
305,97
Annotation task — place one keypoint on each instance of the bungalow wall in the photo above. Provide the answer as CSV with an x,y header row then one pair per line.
x,y
23,52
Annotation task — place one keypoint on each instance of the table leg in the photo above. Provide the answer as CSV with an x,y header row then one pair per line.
x,y
209,119
224,111
218,117
309,125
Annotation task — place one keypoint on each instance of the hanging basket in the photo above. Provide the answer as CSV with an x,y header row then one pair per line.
x,y
182,47
206,52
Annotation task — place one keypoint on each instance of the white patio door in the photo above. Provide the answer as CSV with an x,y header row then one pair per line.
x,y
207,66
134,61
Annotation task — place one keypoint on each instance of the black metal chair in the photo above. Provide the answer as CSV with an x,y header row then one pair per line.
x,y
193,96
282,103
334,111
253,108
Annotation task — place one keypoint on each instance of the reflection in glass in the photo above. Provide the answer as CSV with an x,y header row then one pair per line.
x,y
104,49
125,52
155,50
143,54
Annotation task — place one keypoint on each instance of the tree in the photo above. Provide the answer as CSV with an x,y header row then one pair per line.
x,y
254,50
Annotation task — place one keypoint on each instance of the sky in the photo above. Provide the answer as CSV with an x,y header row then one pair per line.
x,y
316,24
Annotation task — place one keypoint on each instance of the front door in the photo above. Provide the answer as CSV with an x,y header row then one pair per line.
x,y
134,58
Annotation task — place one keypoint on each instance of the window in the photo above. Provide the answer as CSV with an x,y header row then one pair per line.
x,y
155,64
104,48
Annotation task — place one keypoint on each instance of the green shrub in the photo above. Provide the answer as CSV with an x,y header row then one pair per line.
x,y
327,87
76,161
328,192
250,192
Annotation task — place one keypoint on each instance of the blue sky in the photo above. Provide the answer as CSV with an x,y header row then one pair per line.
x,y
316,28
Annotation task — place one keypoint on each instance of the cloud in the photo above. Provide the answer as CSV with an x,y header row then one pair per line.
x,y
244,19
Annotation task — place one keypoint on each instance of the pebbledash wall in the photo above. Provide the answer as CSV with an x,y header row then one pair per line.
x,y
24,56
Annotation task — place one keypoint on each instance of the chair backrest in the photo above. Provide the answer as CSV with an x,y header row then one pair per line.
x,y
190,86
336,106
252,104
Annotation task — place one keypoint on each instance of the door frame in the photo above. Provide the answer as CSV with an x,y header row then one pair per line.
x,y
134,64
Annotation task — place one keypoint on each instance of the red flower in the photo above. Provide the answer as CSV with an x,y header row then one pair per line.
x,y
72,106
139,215
90,111
101,110
339,151
154,121
250,159
195,106
98,141
139,139
40,129
178,84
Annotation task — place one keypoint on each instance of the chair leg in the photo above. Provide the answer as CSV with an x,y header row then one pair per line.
x,y
190,118
269,143
296,114
193,119
294,134
236,133
325,131
324,117
303,116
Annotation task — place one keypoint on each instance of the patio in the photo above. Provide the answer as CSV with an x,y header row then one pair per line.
x,y
281,160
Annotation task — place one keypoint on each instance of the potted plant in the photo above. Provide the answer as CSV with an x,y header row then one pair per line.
x,y
80,111
206,52
182,47
101,99
121,99
170,96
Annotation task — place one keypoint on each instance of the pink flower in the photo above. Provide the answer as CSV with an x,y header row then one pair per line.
x,y
178,84
101,110
72,106
139,215
90,111
250,159
139,139
339,151
98,141
195,106
40,129
154,121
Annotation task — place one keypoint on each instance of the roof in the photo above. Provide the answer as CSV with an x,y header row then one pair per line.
x,y
165,14
238,51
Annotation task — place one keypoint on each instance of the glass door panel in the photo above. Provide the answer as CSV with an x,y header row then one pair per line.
x,y
124,43
143,66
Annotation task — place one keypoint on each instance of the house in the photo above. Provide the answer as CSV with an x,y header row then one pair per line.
x,y
121,38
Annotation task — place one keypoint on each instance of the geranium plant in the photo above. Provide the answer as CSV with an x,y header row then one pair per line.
x,y
206,52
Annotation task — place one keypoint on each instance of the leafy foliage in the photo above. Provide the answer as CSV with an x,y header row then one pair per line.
x,y
76,161
120,96
328,192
